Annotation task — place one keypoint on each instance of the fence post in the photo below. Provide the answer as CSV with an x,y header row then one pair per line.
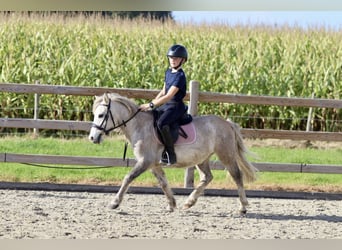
x,y
36,111
309,121
194,91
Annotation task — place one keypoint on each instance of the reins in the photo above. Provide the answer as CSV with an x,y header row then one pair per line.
x,y
80,168
123,121
65,168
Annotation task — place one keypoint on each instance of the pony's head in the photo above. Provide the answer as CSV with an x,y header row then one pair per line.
x,y
103,118
111,111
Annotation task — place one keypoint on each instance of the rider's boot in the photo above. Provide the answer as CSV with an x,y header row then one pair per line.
x,y
170,155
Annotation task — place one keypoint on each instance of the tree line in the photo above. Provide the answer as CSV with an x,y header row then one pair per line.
x,y
155,15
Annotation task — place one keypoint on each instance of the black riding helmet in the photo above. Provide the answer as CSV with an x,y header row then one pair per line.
x,y
178,51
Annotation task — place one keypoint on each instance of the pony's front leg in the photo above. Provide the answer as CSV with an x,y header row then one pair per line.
x,y
138,169
160,175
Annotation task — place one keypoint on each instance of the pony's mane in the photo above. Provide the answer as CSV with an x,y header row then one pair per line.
x,y
131,105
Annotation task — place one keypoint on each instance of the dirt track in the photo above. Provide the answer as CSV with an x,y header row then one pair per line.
x,y
68,215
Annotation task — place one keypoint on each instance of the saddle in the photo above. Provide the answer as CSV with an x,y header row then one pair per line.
x,y
175,128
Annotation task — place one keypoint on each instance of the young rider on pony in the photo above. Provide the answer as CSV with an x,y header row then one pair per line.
x,y
170,99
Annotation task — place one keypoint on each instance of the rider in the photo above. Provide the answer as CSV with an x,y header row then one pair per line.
x,y
170,99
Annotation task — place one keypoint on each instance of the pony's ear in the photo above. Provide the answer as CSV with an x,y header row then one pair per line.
x,y
106,98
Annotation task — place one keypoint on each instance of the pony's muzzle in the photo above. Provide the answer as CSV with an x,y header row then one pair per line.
x,y
95,139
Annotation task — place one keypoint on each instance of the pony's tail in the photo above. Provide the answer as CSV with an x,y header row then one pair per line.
x,y
247,168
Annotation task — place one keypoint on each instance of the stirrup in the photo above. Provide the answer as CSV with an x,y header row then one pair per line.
x,y
165,158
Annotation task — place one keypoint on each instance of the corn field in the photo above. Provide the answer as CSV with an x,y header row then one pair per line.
x,y
98,52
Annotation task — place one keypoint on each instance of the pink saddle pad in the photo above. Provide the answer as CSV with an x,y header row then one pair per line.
x,y
189,129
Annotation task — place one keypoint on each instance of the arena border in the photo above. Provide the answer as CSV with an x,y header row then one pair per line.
x,y
156,190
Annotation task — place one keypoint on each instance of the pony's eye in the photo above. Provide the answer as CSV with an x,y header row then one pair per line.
x,y
101,115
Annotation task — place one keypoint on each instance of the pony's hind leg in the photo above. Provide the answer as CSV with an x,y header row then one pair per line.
x,y
235,172
205,178
228,159
160,175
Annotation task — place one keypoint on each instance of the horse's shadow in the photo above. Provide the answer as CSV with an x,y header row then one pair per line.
x,y
259,216
279,217
285,217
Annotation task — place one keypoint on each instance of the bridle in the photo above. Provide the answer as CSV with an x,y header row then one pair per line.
x,y
103,125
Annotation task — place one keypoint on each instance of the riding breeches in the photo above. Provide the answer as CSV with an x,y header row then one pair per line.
x,y
169,114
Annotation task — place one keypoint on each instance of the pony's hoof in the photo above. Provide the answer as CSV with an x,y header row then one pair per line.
x,y
186,206
113,206
171,210
243,212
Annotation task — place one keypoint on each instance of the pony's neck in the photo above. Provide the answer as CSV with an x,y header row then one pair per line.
x,y
138,127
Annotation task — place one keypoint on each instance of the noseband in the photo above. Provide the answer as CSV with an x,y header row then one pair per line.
x,y
103,125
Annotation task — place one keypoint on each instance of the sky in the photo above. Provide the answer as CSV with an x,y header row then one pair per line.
x,y
304,19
